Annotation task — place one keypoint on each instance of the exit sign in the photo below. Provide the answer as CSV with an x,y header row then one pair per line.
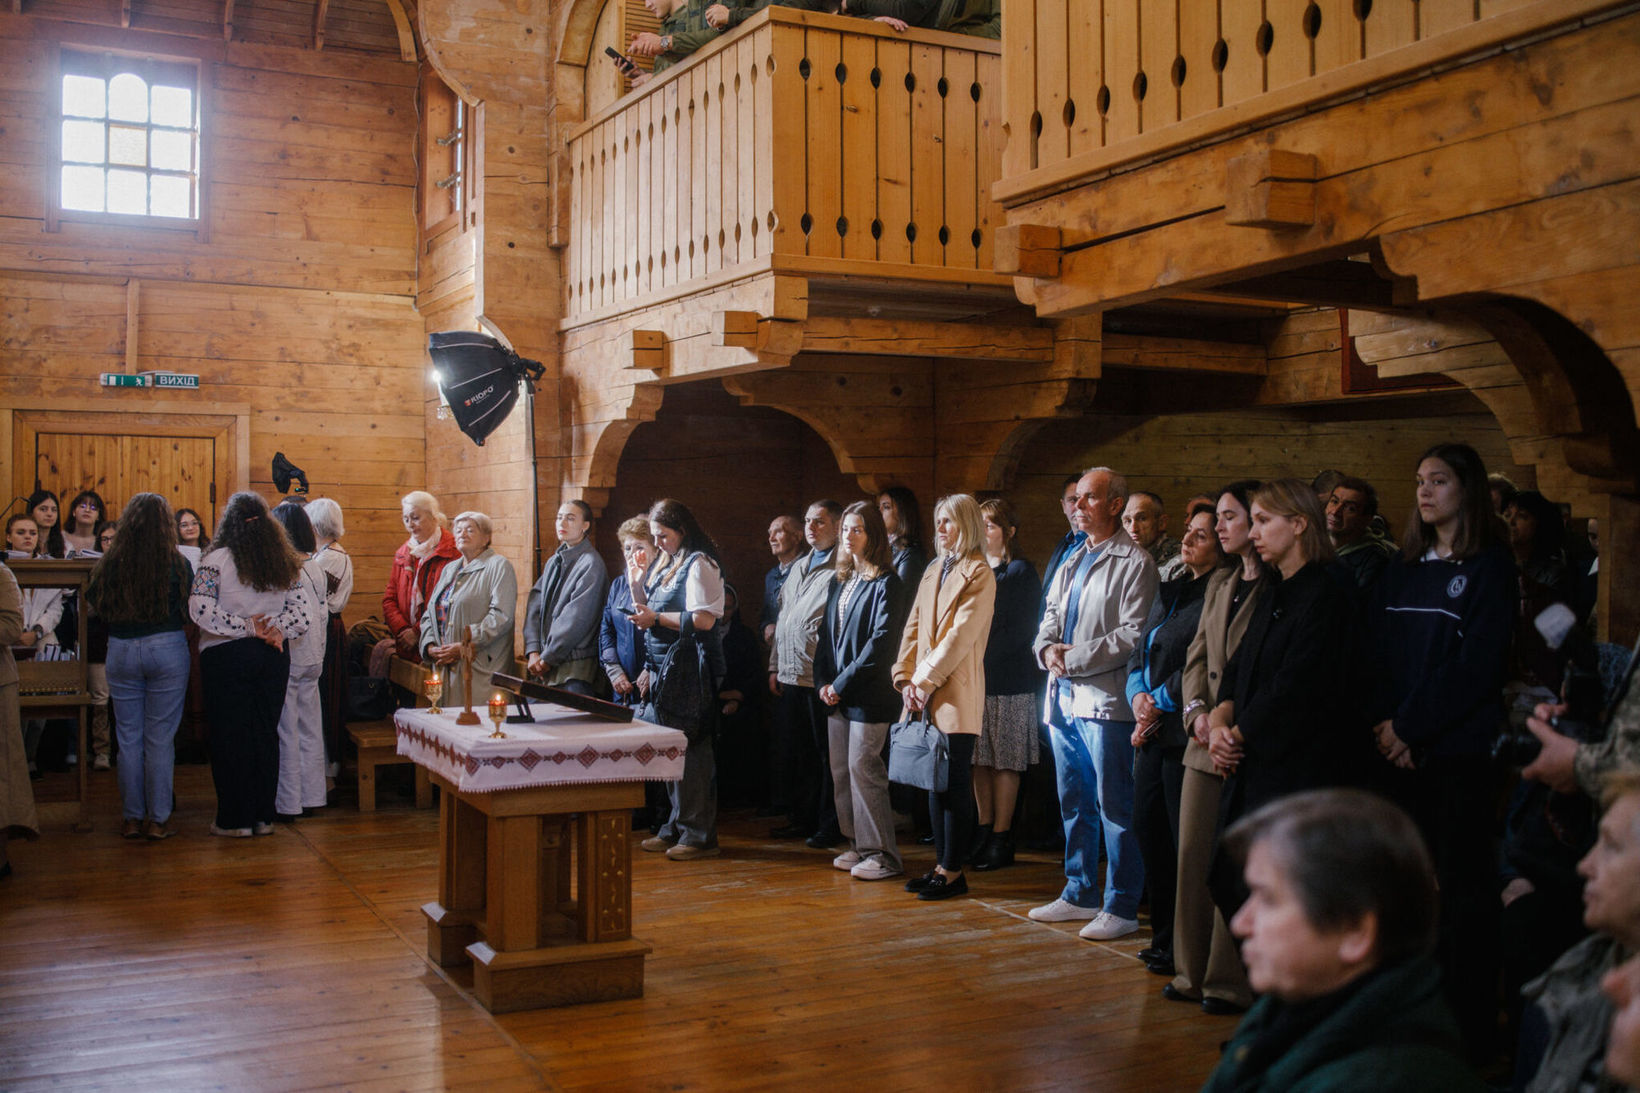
x,y
123,379
172,379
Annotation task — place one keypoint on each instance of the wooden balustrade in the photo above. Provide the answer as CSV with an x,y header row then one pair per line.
x,y
800,142
1090,86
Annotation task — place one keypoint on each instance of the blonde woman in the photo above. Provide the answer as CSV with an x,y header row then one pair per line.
x,y
941,668
417,566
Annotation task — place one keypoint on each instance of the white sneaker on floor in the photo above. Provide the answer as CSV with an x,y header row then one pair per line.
x,y
1061,910
847,860
100,763
231,832
874,868
1105,926
263,829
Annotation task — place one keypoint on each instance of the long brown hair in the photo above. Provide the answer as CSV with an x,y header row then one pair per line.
x,y
261,550
1477,523
1004,516
879,556
132,581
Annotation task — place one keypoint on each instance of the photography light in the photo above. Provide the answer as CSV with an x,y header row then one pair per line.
x,y
479,377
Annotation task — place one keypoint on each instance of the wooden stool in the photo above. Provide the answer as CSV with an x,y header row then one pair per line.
x,y
378,742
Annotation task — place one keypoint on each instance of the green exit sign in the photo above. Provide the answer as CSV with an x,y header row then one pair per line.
x,y
123,379
172,379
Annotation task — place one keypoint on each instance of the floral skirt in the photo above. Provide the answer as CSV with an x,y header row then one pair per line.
x,y
1007,737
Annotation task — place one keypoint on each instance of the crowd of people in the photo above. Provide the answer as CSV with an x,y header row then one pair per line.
x,y
1281,729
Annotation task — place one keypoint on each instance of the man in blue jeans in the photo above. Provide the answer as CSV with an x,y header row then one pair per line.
x,y
1096,606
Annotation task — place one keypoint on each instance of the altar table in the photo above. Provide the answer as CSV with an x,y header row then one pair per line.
x,y
508,814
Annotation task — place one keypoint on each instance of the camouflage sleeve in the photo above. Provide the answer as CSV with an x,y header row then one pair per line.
x,y
1620,748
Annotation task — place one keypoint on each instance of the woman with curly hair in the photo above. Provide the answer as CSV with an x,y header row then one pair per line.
x,y
248,598
140,592
85,512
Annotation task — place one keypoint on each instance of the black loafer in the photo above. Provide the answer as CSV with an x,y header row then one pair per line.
x,y
1174,994
1152,953
824,840
1219,1007
943,887
1161,967
917,884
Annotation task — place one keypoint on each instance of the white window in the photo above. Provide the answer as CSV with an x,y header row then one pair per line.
x,y
130,137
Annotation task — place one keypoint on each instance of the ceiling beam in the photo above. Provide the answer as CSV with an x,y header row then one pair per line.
x,y
407,36
227,20
319,13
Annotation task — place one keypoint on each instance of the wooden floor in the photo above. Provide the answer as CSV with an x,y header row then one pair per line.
x,y
297,962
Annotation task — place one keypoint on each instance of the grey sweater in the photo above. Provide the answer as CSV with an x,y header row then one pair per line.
x,y
797,627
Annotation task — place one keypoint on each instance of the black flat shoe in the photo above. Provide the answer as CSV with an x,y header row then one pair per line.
x,y
1219,1007
824,840
999,852
926,840
943,887
917,884
1161,967
1174,994
1152,953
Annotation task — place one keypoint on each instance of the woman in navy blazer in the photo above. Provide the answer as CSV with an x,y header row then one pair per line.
x,y
854,676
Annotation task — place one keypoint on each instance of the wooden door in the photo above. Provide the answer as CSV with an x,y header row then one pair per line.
x,y
189,459
182,469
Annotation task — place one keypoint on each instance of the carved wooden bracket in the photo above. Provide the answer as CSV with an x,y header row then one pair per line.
x,y
1271,188
644,351
737,329
1027,250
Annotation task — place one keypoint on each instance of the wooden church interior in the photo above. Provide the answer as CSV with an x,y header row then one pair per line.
x,y
1196,240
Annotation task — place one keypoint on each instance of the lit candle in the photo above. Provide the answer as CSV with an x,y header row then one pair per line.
x,y
498,712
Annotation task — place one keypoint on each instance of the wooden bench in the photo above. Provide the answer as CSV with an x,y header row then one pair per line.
x,y
378,743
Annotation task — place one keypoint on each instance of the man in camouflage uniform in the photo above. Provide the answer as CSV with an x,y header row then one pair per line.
x,y
1566,766
683,30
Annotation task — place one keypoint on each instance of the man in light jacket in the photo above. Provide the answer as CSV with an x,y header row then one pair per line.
x,y
565,606
1092,619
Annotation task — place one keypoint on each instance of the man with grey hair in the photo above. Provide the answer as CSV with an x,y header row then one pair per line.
x,y
1094,612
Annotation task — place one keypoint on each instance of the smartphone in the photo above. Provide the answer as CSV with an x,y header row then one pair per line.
x,y
629,611
626,64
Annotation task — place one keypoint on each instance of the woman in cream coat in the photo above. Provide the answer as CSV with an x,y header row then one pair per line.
x,y
942,666
480,590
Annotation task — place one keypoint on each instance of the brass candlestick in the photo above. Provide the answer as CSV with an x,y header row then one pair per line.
x,y
498,714
433,688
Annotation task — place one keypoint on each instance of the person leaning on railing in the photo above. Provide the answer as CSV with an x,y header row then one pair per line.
x,y
683,30
724,16
977,18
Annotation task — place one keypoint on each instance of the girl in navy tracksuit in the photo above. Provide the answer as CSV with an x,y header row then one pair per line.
x,y
1439,631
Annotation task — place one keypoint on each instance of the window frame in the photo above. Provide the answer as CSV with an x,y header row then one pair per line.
x,y
435,161
56,215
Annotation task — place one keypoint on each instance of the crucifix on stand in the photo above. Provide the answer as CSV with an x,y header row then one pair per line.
x,y
467,716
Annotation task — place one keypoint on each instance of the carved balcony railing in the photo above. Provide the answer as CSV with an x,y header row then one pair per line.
x,y
1091,86
800,143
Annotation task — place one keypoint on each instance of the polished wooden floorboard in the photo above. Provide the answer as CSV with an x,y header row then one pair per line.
x,y
298,962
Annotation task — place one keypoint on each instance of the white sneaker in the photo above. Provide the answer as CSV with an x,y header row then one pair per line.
x,y
847,860
100,763
874,868
1105,926
1061,910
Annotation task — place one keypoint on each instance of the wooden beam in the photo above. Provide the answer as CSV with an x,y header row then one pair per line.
x,y
903,338
1270,188
133,292
643,351
737,329
1339,283
1183,354
1027,250
319,14
125,13
227,20
401,23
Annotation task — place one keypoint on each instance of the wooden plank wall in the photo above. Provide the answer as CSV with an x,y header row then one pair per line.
x,y
298,301
793,468
1179,455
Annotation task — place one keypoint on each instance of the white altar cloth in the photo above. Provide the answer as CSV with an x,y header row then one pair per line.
x,y
562,747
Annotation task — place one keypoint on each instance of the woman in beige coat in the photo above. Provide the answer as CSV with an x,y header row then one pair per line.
x,y
941,666
16,795
1209,970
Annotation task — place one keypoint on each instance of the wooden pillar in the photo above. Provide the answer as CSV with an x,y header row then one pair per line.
x,y
1618,606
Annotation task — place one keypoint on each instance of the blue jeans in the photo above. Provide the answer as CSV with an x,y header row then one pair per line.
x,y
148,681
1093,762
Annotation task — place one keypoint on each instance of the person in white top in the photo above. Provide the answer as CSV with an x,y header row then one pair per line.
x,y
248,600
301,783
326,517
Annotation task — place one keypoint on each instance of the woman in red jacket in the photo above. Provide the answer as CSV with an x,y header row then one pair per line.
x,y
416,566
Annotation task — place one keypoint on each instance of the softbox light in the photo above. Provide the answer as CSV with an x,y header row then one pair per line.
x,y
479,378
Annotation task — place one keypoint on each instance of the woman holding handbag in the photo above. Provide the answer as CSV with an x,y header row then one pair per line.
x,y
681,600
941,668
853,674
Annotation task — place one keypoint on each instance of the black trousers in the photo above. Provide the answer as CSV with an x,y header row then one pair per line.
x,y
952,813
805,751
244,684
1158,784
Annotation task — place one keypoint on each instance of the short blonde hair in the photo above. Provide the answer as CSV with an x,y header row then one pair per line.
x,y
421,499
964,512
635,530
478,520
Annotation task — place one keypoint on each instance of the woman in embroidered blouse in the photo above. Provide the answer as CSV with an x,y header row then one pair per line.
x,y
853,672
479,589
301,722
683,593
248,599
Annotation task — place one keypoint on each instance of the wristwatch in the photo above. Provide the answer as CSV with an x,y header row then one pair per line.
x,y
666,43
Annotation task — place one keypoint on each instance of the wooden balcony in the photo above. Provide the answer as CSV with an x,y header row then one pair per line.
x,y
800,144
1086,96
